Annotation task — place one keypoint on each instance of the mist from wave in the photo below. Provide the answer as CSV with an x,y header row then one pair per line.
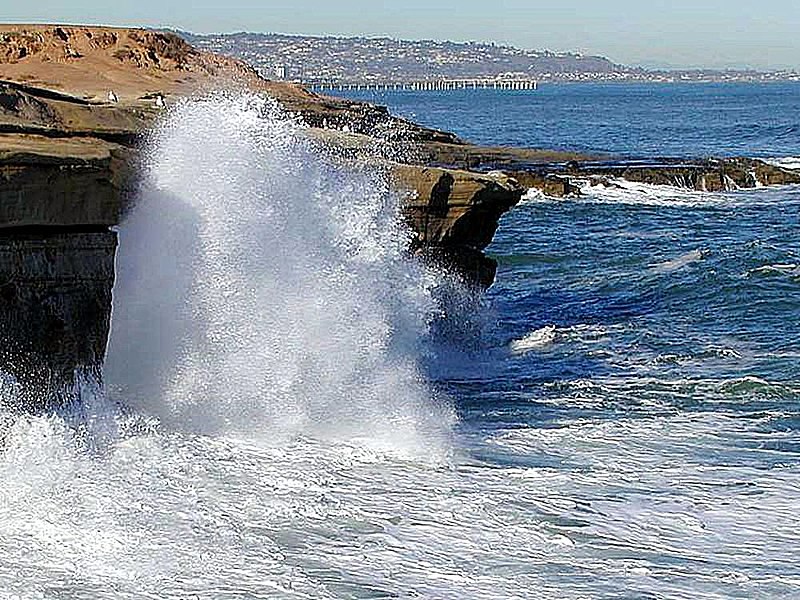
x,y
263,380
265,287
786,162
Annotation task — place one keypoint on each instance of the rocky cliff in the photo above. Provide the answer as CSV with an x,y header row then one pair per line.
x,y
74,103
455,215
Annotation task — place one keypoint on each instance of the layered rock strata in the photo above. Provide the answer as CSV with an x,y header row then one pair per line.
x,y
455,214
55,299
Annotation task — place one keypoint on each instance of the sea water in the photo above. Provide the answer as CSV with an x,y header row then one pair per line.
x,y
281,419
632,120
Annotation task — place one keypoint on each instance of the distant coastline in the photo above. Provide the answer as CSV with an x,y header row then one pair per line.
x,y
358,61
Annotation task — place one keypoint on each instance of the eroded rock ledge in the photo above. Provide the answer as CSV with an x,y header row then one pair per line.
x,y
455,215
706,175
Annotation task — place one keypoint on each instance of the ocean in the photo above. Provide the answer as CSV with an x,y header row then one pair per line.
x,y
291,411
626,120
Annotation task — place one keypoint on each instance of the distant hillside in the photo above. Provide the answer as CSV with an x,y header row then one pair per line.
x,y
343,60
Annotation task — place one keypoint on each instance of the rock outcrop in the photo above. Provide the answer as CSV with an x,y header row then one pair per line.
x,y
455,215
74,103
706,175
74,182
710,175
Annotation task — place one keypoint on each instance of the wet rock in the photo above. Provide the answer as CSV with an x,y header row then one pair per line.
x,y
550,184
710,175
455,215
55,307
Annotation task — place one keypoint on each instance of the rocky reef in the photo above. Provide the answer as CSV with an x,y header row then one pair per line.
x,y
706,175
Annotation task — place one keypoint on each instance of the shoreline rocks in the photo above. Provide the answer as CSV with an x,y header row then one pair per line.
x,y
455,215
704,175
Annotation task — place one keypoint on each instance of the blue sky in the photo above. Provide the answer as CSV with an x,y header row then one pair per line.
x,y
678,33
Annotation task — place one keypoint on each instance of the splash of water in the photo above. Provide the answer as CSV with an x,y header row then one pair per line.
x,y
262,286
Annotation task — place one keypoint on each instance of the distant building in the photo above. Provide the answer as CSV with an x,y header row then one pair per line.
x,y
280,72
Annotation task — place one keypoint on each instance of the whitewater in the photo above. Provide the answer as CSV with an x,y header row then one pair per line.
x,y
282,417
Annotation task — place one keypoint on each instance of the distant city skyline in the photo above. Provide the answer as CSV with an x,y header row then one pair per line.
x,y
659,33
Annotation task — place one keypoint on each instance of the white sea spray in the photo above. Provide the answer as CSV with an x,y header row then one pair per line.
x,y
264,286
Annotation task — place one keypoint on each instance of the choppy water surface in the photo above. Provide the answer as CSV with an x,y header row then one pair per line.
x,y
635,120
654,370
279,420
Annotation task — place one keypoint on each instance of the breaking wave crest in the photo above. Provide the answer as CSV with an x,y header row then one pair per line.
x,y
629,192
785,162
263,286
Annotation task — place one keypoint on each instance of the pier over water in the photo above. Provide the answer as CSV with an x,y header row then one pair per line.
x,y
427,85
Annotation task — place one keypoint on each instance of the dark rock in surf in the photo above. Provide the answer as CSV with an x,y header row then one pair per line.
x,y
455,215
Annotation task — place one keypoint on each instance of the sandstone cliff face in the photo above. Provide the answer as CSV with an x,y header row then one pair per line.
x,y
55,299
455,215
71,183
74,102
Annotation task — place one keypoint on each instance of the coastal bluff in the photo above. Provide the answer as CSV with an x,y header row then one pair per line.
x,y
76,104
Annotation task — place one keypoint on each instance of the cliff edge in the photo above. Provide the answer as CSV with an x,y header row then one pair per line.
x,y
75,102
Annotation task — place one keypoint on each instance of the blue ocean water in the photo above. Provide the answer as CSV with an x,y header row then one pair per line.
x,y
642,347
634,120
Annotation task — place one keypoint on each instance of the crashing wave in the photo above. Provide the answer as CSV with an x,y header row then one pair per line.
x,y
265,287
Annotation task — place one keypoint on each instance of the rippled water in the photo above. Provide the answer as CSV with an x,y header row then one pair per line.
x,y
628,401
652,370
635,120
